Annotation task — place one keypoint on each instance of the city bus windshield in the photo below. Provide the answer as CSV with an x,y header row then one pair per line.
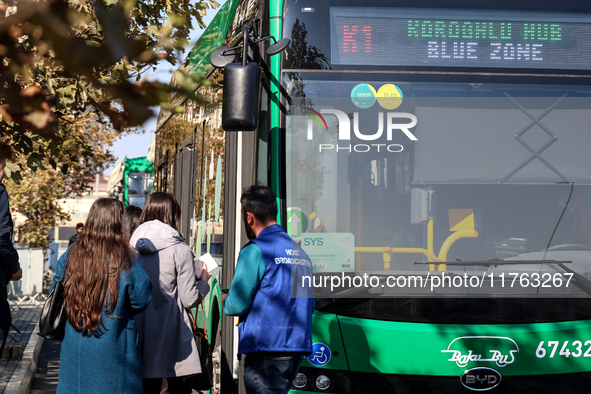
x,y
401,177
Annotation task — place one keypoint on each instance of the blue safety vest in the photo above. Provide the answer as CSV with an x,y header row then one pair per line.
x,y
280,317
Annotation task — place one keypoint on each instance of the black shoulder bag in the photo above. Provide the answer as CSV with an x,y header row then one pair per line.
x,y
52,323
203,380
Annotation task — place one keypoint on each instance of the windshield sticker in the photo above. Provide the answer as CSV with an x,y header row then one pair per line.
x,y
320,354
478,349
297,222
301,166
363,96
330,252
389,96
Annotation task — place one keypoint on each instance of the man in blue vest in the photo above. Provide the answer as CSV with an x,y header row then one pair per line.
x,y
275,329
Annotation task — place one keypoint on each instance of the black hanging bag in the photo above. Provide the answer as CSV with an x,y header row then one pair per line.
x,y
203,380
52,323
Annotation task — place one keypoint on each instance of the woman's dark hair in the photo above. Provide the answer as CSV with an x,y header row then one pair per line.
x,y
94,265
261,202
131,219
162,206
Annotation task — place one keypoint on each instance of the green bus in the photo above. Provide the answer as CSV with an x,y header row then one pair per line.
x,y
130,181
431,157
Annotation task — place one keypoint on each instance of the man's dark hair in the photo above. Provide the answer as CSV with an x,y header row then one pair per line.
x,y
261,202
131,219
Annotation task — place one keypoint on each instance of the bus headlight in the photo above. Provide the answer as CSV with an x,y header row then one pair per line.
x,y
323,382
300,381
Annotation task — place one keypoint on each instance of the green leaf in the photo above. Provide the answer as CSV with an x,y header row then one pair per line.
x,y
35,161
16,177
27,144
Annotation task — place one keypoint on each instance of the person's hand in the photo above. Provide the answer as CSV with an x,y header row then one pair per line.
x,y
205,275
17,275
223,298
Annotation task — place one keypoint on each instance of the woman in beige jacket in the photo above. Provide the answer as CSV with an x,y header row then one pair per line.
x,y
165,328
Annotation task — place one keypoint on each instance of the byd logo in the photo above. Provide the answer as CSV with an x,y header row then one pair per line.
x,y
392,119
480,378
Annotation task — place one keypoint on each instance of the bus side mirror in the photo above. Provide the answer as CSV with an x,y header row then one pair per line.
x,y
241,97
240,106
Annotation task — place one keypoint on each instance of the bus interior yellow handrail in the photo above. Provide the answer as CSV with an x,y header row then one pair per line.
x,y
443,251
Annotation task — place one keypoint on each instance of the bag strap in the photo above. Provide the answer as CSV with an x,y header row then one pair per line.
x,y
195,319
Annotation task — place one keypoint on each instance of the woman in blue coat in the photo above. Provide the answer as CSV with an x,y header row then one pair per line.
x,y
105,285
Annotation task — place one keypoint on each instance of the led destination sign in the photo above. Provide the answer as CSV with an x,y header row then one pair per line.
x,y
460,38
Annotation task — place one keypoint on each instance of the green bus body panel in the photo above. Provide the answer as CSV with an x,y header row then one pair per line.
x,y
197,62
417,348
325,329
275,9
211,302
276,29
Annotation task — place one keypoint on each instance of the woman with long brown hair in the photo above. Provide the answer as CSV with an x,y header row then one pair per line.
x,y
165,331
104,287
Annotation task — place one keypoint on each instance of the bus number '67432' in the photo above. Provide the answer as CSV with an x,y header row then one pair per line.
x,y
565,350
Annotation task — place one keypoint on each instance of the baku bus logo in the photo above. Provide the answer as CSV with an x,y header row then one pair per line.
x,y
500,350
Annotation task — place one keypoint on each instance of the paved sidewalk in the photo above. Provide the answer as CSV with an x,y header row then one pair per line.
x,y
48,367
24,344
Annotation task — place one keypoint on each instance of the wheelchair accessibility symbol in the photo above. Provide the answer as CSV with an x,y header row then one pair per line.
x,y
320,355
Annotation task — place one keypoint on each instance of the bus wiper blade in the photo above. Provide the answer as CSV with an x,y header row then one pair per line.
x,y
347,293
580,281
493,262
323,300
